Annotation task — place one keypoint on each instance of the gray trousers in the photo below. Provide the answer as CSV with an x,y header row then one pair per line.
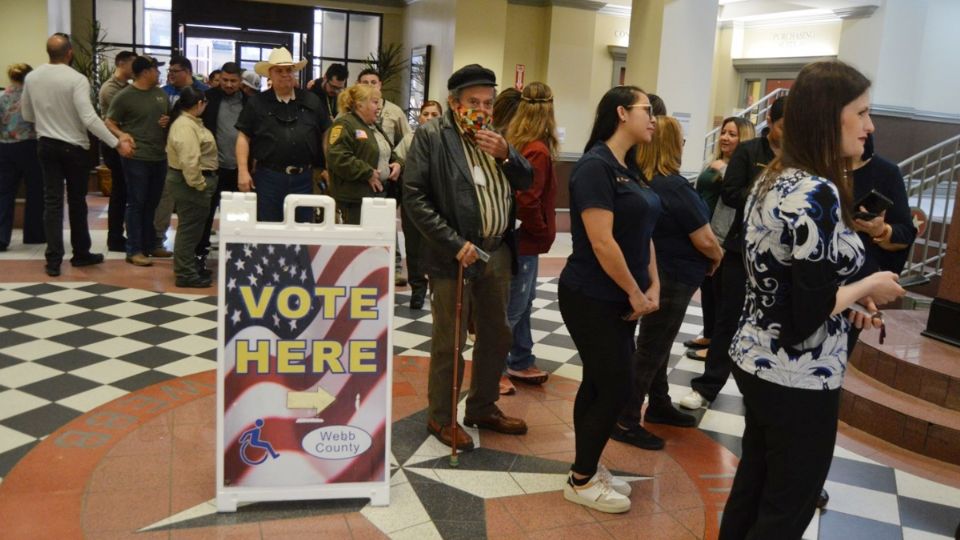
x,y
193,207
485,298
161,219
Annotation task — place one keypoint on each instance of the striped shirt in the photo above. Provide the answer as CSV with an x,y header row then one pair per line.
x,y
493,189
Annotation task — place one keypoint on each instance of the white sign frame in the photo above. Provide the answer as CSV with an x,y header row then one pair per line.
x,y
238,223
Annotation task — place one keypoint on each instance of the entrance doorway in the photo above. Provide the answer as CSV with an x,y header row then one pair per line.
x,y
208,47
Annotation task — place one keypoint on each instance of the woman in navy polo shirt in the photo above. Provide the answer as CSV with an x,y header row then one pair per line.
x,y
687,251
610,280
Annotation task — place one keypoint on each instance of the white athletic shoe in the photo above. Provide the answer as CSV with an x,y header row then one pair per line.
x,y
618,485
596,494
693,401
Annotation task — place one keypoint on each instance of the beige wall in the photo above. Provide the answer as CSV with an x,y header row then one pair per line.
x,y
572,48
610,30
481,33
432,22
23,32
726,82
527,42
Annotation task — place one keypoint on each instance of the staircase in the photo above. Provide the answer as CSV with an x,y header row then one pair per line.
x,y
756,113
906,391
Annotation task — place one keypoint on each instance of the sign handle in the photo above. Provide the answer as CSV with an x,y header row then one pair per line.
x,y
292,202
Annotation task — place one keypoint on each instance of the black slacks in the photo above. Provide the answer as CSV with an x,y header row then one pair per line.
x,y
64,162
730,296
226,181
787,449
605,343
117,209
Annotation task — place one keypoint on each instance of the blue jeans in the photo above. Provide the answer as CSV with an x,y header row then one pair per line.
x,y
273,187
145,180
523,289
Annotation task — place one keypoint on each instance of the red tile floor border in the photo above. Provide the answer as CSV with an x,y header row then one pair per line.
x,y
123,466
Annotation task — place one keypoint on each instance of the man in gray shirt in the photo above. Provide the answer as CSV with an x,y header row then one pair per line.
x,y
57,99
122,73
220,117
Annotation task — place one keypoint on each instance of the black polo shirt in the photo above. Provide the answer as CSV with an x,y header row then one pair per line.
x,y
683,213
599,181
284,134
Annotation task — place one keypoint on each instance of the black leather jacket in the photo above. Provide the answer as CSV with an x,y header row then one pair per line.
x,y
441,200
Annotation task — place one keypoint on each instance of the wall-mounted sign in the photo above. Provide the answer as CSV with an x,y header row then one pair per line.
x,y
786,41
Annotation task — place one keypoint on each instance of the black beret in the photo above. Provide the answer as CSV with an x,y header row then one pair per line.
x,y
471,75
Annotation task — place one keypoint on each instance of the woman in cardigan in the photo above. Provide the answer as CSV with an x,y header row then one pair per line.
x,y
733,131
801,257
533,131
360,159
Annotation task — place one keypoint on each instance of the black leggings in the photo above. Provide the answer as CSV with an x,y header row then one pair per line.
x,y
605,343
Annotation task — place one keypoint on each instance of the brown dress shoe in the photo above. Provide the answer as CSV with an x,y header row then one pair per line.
x,y
161,253
464,440
499,423
139,259
506,387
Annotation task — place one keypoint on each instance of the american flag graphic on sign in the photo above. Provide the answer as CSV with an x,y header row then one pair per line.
x,y
305,364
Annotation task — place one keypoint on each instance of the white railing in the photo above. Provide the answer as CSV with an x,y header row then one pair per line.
x,y
931,181
756,113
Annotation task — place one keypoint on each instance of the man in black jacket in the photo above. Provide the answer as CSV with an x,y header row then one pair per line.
x,y
224,104
458,190
747,162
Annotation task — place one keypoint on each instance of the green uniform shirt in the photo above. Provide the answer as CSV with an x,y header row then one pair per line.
x,y
138,113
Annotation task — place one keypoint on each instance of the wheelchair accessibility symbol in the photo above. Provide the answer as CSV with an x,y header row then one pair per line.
x,y
251,438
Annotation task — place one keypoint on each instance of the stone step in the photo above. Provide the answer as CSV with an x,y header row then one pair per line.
x,y
909,362
899,418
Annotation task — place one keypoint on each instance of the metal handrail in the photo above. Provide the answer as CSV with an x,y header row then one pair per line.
x,y
930,178
756,113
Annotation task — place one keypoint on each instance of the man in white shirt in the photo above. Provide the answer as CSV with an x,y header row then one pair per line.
x,y
57,99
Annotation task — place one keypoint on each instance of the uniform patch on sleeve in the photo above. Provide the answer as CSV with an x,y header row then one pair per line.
x,y
361,135
335,134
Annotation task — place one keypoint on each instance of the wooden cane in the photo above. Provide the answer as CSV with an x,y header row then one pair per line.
x,y
454,460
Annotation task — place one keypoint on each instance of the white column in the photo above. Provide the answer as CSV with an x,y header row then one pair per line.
x,y
58,16
684,78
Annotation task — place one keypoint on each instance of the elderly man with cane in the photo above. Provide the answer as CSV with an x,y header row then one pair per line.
x,y
458,191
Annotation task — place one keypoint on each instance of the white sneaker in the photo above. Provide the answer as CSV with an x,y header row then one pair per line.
x,y
618,485
596,494
693,401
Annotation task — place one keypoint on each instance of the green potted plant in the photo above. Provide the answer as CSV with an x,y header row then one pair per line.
x,y
89,59
389,62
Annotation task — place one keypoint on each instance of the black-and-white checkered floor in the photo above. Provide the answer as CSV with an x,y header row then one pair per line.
x,y
66,348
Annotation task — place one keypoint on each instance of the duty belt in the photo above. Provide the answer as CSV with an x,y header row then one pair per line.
x,y
285,169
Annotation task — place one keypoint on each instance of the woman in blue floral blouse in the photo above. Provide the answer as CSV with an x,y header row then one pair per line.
x,y
18,161
801,254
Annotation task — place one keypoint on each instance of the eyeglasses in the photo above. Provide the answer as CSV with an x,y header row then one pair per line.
x,y
175,70
648,107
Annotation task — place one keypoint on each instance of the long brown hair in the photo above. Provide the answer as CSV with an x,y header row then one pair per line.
x,y
812,138
534,120
745,131
662,155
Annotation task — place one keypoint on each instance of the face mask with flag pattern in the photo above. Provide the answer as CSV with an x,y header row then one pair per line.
x,y
473,120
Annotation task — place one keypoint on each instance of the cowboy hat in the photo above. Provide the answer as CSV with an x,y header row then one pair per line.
x,y
278,57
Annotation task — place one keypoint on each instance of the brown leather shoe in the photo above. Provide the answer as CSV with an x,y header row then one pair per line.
x,y
161,253
139,259
499,423
464,440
